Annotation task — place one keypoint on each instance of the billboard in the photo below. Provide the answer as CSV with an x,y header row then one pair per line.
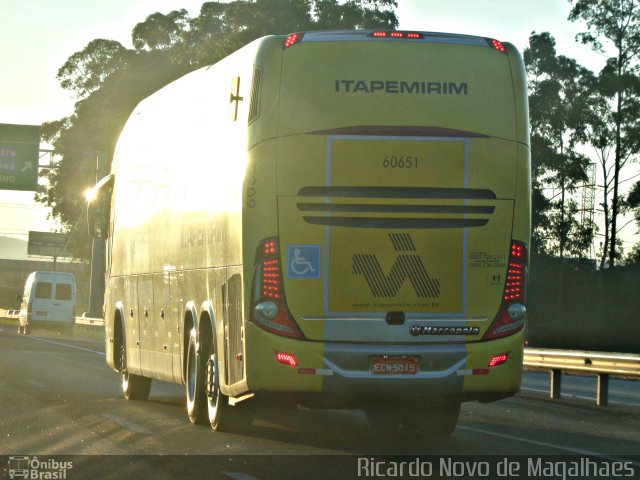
x,y
19,153
48,244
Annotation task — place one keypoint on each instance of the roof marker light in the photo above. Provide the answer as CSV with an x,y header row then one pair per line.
x,y
292,39
498,45
395,34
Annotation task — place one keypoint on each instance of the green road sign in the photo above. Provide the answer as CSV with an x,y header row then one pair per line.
x,y
19,151
48,244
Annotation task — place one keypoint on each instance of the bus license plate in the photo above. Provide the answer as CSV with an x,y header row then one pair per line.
x,y
395,365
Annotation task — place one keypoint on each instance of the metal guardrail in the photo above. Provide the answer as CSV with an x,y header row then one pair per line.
x,y
94,322
601,364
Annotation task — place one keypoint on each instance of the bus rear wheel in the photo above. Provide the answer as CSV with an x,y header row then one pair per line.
x,y
206,404
222,416
194,385
134,387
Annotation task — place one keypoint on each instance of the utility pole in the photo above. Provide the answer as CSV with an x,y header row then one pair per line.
x,y
96,285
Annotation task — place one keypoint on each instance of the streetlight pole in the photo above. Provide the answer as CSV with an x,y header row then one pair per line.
x,y
96,285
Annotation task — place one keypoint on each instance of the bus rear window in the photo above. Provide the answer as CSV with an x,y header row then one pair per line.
x,y
63,291
43,290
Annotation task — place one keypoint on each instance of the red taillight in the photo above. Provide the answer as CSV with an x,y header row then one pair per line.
x,y
270,279
498,45
268,307
498,360
286,359
518,251
514,286
292,39
512,313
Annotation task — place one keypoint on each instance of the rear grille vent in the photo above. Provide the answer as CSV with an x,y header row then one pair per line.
x,y
399,192
396,215
254,106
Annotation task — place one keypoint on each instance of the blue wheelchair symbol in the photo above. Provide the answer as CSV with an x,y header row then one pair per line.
x,y
303,261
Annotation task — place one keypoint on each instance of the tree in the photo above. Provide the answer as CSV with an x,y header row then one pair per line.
x,y
617,23
109,80
560,91
633,203
85,71
160,31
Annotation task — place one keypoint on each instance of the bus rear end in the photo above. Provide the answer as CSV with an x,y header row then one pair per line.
x,y
396,276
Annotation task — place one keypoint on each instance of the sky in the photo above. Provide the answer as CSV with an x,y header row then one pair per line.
x,y
37,37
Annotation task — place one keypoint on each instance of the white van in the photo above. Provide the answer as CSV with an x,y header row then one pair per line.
x,y
49,300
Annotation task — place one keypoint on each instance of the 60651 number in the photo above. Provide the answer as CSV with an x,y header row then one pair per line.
x,y
395,161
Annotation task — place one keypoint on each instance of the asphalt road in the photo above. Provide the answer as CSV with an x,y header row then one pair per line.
x,y
58,398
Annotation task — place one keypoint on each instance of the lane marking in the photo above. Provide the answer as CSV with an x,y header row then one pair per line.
x,y
35,383
239,476
65,345
575,451
126,424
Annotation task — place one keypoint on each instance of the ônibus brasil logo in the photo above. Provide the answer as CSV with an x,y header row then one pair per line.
x,y
36,469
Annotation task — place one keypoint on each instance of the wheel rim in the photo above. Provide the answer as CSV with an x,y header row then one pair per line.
x,y
123,367
211,385
191,375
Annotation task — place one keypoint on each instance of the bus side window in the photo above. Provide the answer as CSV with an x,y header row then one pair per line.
x,y
99,208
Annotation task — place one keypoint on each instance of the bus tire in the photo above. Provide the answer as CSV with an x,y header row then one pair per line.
x,y
434,420
195,383
222,416
134,387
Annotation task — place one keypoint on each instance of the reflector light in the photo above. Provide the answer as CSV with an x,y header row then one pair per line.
x,y
498,45
292,39
286,359
498,360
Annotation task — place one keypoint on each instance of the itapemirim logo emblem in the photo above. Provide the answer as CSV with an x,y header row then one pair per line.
x,y
406,266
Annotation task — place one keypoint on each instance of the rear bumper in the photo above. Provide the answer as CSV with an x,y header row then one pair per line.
x,y
342,370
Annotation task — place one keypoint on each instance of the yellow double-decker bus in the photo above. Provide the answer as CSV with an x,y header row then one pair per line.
x,y
333,219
